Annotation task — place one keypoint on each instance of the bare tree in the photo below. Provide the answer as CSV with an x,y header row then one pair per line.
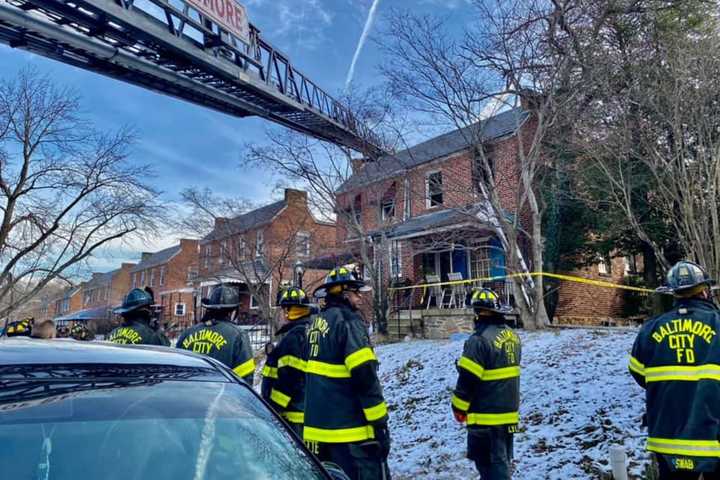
x,y
67,189
508,58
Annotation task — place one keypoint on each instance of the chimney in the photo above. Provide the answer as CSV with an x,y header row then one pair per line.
x,y
145,255
187,245
295,197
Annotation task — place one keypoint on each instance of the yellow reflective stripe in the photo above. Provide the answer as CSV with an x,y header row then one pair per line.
x,y
471,366
683,373
270,372
635,366
501,373
356,359
294,417
493,418
279,398
292,361
376,412
246,368
338,435
696,448
460,404
331,370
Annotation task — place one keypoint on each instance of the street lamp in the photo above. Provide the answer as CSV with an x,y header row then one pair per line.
x,y
299,271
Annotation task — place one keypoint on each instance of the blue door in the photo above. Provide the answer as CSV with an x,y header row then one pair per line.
x,y
460,262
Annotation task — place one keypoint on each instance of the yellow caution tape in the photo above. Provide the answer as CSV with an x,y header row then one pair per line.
x,y
569,278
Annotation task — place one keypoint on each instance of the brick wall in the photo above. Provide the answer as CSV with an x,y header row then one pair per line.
x,y
584,304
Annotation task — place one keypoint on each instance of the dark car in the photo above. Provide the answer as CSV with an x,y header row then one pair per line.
x,y
79,410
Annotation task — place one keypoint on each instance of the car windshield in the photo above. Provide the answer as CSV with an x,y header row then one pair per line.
x,y
152,429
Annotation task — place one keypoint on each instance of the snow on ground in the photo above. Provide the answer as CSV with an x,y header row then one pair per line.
x,y
577,399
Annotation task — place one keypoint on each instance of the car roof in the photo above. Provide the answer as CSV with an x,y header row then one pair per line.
x,y
26,351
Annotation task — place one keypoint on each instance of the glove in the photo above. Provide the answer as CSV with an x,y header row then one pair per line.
x,y
460,417
382,435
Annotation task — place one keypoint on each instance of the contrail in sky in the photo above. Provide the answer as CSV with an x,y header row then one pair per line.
x,y
366,30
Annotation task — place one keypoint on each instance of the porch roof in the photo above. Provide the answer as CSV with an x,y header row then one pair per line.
x,y
87,314
429,223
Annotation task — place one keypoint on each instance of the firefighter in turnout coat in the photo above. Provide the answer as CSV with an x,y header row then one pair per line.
x,y
676,359
345,412
137,317
217,337
487,395
283,384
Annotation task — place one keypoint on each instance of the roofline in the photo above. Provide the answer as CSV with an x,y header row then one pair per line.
x,y
204,241
136,269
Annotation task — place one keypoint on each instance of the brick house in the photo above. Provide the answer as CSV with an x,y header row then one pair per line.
x,y
69,302
100,294
428,220
262,248
170,274
423,209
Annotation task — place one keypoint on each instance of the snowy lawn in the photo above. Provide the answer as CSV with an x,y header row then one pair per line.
x,y
577,400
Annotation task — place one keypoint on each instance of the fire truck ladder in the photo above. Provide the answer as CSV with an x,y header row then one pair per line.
x,y
166,46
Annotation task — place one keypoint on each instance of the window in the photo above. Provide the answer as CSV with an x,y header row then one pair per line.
x,y
142,279
481,175
224,254
152,277
254,305
259,243
395,259
162,275
134,280
302,244
179,309
357,209
242,249
479,263
387,205
604,266
208,254
434,184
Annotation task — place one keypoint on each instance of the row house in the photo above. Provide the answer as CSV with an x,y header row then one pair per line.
x,y
100,294
170,274
260,250
423,210
425,215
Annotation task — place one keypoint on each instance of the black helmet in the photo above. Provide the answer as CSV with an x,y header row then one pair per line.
x,y
222,296
135,299
80,331
293,296
21,328
684,276
348,277
63,331
486,299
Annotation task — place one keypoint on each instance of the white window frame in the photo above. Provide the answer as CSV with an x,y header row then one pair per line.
x,y
142,279
428,198
242,248
162,275
223,252
395,259
259,243
183,309
407,206
254,305
152,277
603,267
208,254
301,237
134,280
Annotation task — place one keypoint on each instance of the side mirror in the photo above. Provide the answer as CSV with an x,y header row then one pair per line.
x,y
336,473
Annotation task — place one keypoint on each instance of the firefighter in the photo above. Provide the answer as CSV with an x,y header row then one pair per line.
x,y
137,317
81,332
675,358
219,338
21,328
345,412
283,384
487,395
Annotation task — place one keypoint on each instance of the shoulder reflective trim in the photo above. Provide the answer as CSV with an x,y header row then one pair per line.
x,y
635,366
279,398
356,359
471,366
270,372
510,418
375,413
501,373
683,373
696,448
331,370
460,404
341,435
292,361
245,369
294,417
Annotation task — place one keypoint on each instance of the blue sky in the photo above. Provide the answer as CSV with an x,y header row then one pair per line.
x,y
192,146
